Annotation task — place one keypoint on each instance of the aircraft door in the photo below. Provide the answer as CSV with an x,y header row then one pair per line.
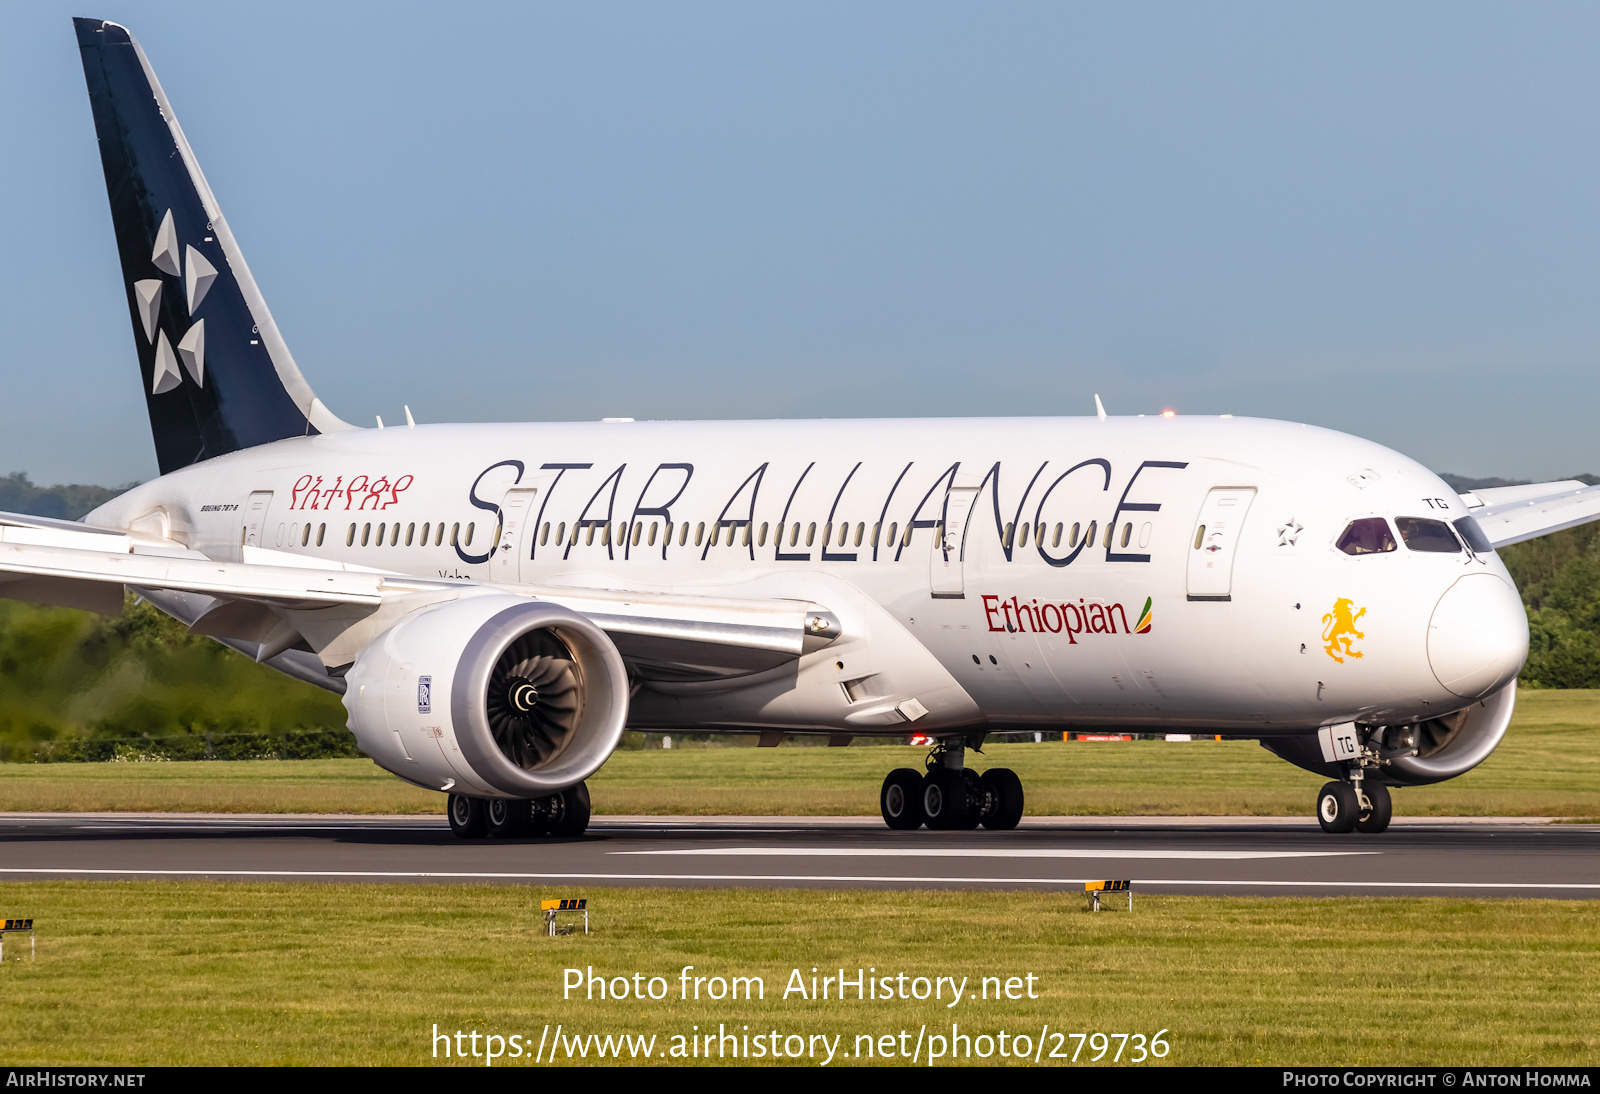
x,y
945,577
1215,540
254,533
518,511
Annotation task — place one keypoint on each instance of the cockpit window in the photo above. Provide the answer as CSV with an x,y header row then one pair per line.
x,y
1367,536
1472,532
1434,536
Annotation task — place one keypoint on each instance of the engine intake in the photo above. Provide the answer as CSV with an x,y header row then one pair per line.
x,y
1421,753
490,696
1449,745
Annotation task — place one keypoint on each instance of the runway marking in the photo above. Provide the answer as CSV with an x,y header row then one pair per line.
x,y
829,878
178,826
983,852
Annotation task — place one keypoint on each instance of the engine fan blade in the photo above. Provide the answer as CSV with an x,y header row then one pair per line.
x,y
532,704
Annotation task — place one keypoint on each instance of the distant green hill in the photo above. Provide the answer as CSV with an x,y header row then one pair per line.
x,y
18,494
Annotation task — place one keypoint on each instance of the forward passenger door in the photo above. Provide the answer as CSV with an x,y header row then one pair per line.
x,y
1215,541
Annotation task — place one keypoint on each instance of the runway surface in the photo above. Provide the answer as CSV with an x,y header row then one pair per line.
x,y
1260,856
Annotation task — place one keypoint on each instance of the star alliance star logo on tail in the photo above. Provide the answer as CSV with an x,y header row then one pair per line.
x,y
197,274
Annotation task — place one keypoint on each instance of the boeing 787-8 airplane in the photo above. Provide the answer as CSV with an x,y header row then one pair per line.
x,y
497,603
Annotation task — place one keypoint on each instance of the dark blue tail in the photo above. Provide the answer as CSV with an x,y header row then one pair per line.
x,y
217,375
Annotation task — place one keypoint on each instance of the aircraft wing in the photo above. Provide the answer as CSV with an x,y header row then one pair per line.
x,y
1512,514
279,600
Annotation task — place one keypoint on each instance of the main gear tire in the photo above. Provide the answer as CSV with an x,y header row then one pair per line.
x,y
569,815
469,817
900,800
1338,808
1003,790
944,799
510,818
1376,819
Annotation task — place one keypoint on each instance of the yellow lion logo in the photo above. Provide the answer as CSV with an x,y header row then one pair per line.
x,y
1339,630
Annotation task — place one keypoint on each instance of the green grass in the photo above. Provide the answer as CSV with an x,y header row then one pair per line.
x,y
1549,765
242,973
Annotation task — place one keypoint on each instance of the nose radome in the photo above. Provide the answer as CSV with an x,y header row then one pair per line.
x,y
1478,637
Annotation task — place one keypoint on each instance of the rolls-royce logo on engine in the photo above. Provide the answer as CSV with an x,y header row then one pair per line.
x,y
424,695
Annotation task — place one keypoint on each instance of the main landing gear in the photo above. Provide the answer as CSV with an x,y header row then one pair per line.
x,y
563,814
949,796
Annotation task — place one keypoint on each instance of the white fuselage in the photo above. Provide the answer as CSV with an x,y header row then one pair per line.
x,y
1260,625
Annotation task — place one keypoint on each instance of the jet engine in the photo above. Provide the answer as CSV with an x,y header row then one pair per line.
x,y
1419,753
1452,744
491,696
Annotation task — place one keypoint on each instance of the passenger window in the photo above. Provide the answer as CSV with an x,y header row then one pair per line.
x,y
1432,536
1367,536
1472,532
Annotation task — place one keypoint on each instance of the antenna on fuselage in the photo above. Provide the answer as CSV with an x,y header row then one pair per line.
x,y
1099,408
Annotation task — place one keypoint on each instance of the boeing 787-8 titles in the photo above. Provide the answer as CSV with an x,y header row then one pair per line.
x,y
497,603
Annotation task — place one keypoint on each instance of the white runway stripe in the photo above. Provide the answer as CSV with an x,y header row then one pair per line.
x,y
831,879
983,852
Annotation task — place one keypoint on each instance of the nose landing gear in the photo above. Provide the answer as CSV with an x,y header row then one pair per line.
x,y
949,797
1359,804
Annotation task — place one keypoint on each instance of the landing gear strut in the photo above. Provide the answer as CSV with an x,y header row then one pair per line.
x,y
950,796
563,814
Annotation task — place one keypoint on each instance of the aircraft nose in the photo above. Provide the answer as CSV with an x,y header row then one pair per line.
x,y
1478,637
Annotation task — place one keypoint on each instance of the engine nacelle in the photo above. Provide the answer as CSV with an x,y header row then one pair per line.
x,y
489,696
1426,752
1449,745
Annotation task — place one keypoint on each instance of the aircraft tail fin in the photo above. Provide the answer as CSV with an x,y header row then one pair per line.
x,y
217,374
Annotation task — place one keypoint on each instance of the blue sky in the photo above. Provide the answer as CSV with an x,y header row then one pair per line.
x,y
1375,217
